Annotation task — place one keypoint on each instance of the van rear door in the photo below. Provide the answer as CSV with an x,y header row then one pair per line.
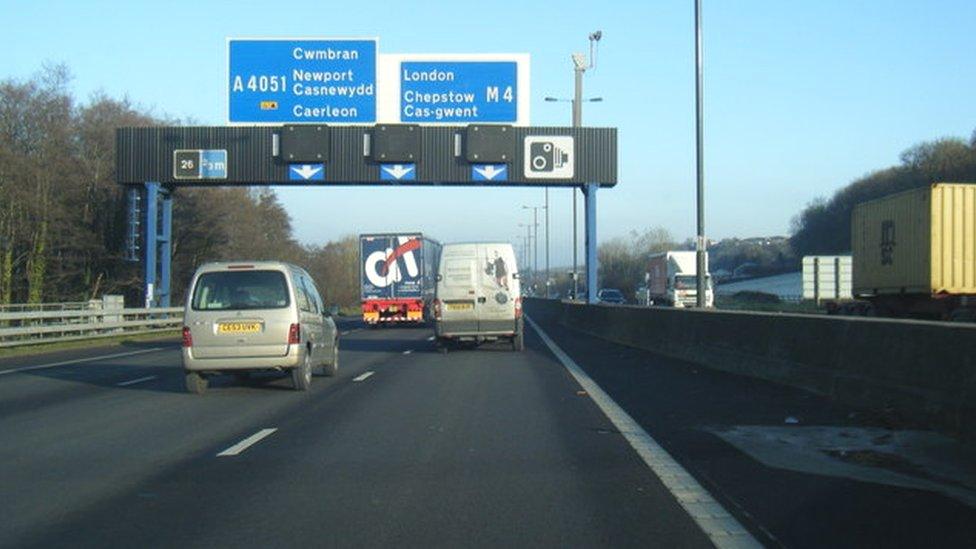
x,y
497,288
457,290
241,313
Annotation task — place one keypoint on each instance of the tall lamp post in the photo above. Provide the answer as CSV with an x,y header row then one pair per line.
x,y
528,245
535,224
580,65
700,242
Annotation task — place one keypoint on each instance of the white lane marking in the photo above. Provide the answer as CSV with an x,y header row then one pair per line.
x,y
720,526
407,352
247,442
80,360
362,377
431,338
137,380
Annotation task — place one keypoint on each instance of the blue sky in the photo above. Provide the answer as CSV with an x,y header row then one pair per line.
x,y
800,97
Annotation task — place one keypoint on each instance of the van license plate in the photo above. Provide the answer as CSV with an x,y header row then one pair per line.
x,y
460,306
238,327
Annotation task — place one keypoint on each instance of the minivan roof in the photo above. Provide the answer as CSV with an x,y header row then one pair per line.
x,y
226,265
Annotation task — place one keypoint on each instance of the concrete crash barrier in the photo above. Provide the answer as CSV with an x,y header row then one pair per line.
x,y
924,371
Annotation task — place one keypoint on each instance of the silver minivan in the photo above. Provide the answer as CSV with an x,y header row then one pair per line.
x,y
252,316
478,295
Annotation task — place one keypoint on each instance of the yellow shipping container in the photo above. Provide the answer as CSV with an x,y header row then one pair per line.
x,y
921,241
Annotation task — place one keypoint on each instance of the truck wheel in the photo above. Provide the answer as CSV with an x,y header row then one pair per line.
x,y
331,368
196,383
301,375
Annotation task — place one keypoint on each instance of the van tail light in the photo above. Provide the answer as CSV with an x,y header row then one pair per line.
x,y
294,334
437,309
187,337
518,307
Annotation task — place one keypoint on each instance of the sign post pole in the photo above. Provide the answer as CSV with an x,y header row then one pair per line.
x,y
150,243
591,259
165,249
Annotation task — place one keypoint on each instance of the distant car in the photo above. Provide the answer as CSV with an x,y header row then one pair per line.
x,y
252,316
610,295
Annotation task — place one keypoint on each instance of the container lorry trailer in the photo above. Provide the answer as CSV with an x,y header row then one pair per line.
x,y
915,253
672,280
397,275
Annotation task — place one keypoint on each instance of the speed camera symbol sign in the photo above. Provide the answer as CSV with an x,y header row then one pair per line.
x,y
549,157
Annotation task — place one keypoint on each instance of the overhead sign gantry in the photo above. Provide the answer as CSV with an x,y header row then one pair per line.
x,y
310,107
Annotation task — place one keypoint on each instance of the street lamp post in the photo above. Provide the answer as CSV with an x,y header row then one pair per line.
x,y
528,244
535,224
580,65
700,243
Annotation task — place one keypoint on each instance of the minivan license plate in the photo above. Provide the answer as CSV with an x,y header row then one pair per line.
x,y
238,327
467,306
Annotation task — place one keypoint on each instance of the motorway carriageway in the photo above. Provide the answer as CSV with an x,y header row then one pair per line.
x,y
569,444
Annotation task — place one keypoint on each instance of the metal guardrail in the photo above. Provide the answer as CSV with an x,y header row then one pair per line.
x,y
33,327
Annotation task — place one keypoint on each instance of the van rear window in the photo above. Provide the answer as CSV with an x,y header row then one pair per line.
x,y
239,290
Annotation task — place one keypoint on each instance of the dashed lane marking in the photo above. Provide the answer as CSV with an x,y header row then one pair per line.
x,y
247,442
362,377
137,380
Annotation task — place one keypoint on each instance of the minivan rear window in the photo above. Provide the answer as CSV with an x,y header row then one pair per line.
x,y
239,290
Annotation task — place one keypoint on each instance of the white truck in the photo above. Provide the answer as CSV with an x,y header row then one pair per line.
x,y
671,280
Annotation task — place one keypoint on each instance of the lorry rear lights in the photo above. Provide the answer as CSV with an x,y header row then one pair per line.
x,y
294,334
187,337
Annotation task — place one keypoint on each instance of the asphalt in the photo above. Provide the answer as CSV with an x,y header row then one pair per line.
x,y
682,406
478,447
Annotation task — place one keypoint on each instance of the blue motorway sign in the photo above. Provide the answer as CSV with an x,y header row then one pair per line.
x,y
297,81
458,91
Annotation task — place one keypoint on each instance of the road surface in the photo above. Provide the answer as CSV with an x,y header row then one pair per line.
x,y
409,447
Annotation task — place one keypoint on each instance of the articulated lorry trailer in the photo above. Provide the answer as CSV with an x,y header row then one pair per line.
x,y
915,254
398,277
672,281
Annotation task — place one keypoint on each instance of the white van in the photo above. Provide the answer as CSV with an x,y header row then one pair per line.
x,y
261,315
478,296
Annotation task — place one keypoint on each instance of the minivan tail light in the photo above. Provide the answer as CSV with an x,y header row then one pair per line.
x,y
437,309
187,337
294,334
518,307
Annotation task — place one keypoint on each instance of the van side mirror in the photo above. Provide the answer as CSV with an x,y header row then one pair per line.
x,y
439,278
516,276
333,310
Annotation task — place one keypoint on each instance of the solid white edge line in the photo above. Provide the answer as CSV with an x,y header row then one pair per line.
x,y
134,381
362,377
717,523
407,352
247,442
79,361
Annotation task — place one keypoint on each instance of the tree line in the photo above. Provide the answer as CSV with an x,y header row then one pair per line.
x,y
824,226
62,215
